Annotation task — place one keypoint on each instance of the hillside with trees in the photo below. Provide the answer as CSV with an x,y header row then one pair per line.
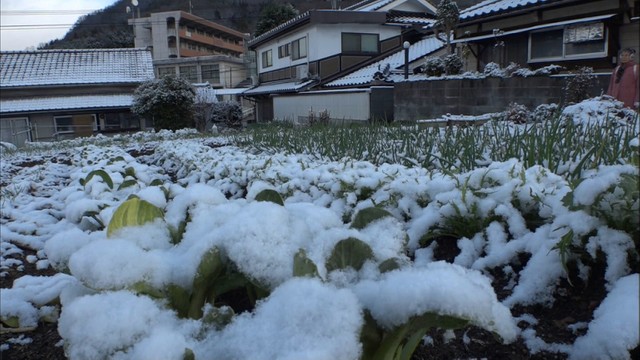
x,y
108,28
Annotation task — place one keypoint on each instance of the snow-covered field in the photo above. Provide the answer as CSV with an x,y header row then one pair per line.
x,y
319,264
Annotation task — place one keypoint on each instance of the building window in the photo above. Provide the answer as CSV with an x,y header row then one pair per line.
x,y
211,73
119,121
267,59
360,43
166,71
189,73
581,41
284,50
299,49
64,124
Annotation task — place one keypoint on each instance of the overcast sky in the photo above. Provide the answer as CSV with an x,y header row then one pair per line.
x,y
27,23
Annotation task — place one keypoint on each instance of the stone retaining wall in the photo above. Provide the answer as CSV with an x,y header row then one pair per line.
x,y
428,99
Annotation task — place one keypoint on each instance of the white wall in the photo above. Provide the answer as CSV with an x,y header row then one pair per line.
x,y
344,105
323,40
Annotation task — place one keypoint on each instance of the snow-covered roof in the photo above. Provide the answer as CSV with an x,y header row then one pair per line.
x,y
78,66
385,5
365,75
497,6
369,5
66,103
531,28
277,88
402,17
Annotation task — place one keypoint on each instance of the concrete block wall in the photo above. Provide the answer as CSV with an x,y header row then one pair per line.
x,y
429,99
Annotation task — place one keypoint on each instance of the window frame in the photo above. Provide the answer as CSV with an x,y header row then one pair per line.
x,y
171,71
297,51
215,73
284,50
190,68
565,56
58,126
361,37
267,58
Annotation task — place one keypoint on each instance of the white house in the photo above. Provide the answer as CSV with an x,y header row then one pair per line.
x,y
320,46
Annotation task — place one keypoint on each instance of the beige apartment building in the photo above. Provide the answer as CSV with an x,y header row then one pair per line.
x,y
194,48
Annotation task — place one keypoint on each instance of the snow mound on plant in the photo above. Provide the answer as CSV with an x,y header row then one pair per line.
x,y
128,320
438,287
302,319
599,110
29,292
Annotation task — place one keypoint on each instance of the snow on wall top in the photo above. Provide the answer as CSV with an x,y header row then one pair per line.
x,y
67,67
496,6
395,61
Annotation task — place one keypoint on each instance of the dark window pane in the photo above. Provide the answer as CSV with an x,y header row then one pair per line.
x,y
546,44
369,43
350,43
211,73
589,47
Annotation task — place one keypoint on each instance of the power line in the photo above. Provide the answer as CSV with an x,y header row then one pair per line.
x,y
46,12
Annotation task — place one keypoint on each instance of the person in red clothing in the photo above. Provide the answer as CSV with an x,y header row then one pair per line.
x,y
624,84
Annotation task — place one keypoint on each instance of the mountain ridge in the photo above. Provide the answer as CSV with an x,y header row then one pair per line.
x,y
108,27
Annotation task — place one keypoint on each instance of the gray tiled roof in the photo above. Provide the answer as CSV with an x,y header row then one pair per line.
x,y
69,67
488,7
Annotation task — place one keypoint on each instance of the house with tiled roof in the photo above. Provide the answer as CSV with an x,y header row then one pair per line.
x,y
302,63
536,33
55,94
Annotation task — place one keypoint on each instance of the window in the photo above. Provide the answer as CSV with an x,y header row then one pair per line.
x,y
117,121
267,59
189,73
360,43
299,49
283,50
211,73
579,41
64,124
166,71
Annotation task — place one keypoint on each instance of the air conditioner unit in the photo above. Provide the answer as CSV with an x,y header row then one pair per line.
x,y
302,71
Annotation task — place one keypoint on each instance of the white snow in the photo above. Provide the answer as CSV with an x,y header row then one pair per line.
x,y
619,314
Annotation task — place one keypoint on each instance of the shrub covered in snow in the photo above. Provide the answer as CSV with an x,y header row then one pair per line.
x,y
168,102
577,87
228,113
434,66
601,110
517,114
453,64
545,112
494,70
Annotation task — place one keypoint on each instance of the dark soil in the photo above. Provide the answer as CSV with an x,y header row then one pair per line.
x,y
45,338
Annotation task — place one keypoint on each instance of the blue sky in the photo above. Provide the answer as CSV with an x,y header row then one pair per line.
x,y
27,23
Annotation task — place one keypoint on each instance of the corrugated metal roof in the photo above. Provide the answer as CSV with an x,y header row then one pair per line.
x,y
66,103
365,75
497,6
410,18
369,5
68,67
277,88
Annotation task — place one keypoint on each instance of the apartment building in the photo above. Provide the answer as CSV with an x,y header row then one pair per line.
x,y
178,34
